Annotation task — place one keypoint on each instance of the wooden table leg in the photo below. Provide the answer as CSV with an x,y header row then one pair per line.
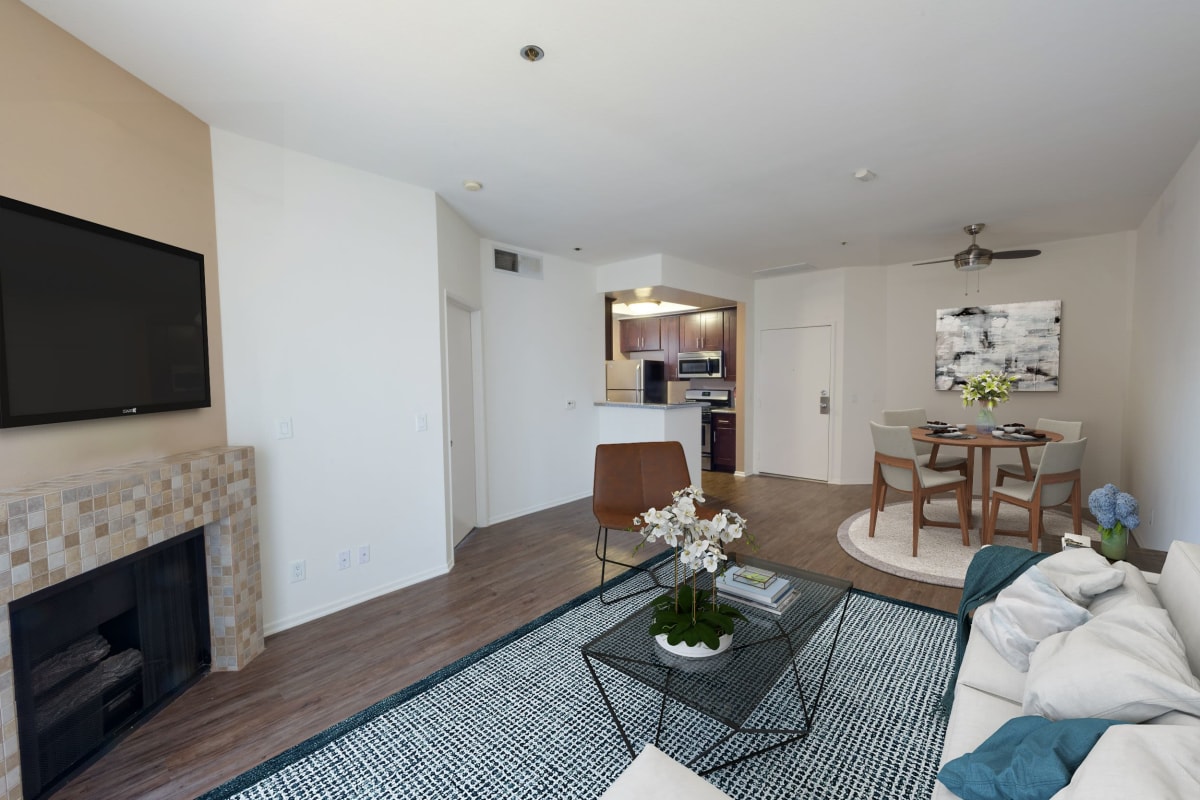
x,y
985,491
970,480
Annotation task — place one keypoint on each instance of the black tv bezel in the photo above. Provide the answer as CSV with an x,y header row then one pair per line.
x,y
8,420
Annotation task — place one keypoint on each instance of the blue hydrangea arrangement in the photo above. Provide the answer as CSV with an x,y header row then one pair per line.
x,y
1116,513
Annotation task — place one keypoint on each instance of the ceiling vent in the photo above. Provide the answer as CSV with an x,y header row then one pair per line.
x,y
517,263
791,269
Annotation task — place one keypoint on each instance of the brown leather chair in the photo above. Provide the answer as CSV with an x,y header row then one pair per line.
x,y
630,479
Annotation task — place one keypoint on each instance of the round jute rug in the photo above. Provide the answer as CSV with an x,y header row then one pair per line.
x,y
941,557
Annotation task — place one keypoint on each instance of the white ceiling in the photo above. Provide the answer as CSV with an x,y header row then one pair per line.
x,y
726,133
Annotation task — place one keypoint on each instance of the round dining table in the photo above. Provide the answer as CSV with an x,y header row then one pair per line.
x,y
985,443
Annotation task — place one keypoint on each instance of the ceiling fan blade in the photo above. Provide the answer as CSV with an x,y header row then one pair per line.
x,y
939,261
1016,253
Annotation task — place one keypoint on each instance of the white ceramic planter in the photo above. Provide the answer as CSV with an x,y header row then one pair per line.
x,y
700,650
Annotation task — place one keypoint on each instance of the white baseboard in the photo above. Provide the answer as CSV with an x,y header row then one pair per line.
x,y
540,507
275,626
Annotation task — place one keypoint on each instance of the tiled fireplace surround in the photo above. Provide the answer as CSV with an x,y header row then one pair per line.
x,y
57,529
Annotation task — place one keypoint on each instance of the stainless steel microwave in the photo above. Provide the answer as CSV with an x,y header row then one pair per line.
x,y
703,364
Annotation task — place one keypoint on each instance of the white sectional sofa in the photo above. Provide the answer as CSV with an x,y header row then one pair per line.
x,y
990,691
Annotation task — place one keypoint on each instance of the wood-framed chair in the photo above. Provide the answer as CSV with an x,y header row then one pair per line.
x,y
897,466
631,478
928,455
1056,482
1032,456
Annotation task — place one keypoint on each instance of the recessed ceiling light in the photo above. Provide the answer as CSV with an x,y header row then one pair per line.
x,y
865,175
531,52
472,186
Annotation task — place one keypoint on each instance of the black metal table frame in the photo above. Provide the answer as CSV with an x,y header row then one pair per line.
x,y
792,734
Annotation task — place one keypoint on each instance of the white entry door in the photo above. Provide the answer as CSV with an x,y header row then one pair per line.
x,y
462,420
792,433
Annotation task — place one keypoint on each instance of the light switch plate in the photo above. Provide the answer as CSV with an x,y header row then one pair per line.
x,y
283,428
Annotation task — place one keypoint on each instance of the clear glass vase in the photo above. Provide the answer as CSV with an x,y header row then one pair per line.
x,y
986,421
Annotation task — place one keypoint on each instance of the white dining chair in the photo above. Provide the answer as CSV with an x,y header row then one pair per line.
x,y
1057,481
928,455
897,466
1070,431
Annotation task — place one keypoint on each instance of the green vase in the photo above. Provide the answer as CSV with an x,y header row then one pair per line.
x,y
1113,544
986,421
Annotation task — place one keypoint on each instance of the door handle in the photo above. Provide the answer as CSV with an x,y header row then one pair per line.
x,y
823,402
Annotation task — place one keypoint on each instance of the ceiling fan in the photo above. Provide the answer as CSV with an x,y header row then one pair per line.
x,y
976,257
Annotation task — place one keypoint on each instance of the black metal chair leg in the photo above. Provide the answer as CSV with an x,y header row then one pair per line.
x,y
605,560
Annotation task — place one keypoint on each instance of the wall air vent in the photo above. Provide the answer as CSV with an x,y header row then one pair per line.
x,y
507,261
517,263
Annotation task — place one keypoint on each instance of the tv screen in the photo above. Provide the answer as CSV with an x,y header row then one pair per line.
x,y
96,322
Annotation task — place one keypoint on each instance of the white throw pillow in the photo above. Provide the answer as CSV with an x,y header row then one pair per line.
x,y
1135,761
1134,590
1127,665
1081,573
1025,612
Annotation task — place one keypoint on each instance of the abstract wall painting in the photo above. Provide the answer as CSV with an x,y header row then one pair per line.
x,y
1019,339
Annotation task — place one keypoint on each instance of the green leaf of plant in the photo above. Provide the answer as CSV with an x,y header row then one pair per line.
x,y
709,637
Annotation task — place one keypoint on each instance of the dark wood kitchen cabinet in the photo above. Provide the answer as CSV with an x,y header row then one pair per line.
x,y
724,442
703,330
670,343
730,347
640,333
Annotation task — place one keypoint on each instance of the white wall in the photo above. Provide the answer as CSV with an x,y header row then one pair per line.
x,y
543,344
865,352
1093,278
329,291
460,283
1164,378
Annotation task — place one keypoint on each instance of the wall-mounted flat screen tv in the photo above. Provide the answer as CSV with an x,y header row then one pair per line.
x,y
96,322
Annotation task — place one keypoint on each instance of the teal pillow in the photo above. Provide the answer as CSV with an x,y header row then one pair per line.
x,y
1028,758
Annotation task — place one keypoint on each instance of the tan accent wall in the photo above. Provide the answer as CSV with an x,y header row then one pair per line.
x,y
80,135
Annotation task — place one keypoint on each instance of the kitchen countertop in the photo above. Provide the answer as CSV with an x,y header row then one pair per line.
x,y
655,406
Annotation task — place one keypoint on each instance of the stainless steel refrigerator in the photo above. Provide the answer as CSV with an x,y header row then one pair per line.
x,y
636,381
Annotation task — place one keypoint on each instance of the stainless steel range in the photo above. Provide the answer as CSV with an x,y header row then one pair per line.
x,y
708,399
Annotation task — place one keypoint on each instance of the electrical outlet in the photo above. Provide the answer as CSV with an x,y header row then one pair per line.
x,y
296,571
364,554
344,559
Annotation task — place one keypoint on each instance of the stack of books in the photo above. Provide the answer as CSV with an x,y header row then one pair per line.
x,y
756,587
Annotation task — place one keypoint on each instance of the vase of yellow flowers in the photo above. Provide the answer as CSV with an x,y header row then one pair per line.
x,y
988,389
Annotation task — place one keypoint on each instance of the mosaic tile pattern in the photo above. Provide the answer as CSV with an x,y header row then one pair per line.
x,y
57,529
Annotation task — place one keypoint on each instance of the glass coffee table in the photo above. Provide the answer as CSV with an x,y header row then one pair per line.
x,y
729,687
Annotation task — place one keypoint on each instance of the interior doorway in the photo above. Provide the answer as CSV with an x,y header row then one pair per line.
x,y
461,401
792,423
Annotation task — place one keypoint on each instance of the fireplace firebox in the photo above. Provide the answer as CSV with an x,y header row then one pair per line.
x,y
97,654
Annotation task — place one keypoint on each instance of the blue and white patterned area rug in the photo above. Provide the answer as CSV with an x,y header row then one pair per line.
x,y
522,718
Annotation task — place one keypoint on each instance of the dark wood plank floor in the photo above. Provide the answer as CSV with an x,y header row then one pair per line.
x,y
316,675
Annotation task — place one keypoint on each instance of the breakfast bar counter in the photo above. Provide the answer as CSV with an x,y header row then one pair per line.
x,y
654,422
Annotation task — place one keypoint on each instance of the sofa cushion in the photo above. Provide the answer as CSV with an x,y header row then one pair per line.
x,y
1134,590
655,774
986,670
1179,593
1024,613
1081,573
1027,758
1127,664
1158,761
